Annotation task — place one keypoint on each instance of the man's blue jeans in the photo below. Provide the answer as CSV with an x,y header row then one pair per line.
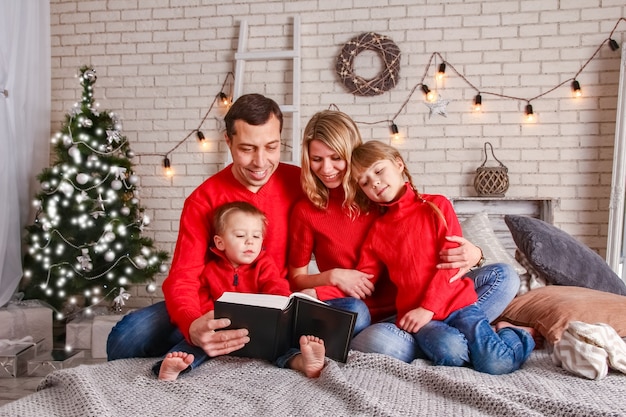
x,y
496,285
148,333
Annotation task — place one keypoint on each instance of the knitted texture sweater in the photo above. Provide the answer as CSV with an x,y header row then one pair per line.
x,y
259,277
407,240
335,240
276,199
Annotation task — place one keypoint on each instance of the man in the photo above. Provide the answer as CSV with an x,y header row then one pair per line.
x,y
253,129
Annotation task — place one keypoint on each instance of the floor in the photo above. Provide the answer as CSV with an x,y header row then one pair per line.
x,y
12,389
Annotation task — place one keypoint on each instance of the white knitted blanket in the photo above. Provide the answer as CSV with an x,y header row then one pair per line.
x,y
368,385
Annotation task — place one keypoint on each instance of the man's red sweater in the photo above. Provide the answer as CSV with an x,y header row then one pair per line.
x,y
335,240
276,199
407,240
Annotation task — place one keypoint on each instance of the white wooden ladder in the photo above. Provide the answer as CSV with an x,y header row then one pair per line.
x,y
243,54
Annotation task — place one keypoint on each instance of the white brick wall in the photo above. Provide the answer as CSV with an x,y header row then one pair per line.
x,y
161,63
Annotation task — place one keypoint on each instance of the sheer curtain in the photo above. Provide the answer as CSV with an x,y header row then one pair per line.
x,y
24,125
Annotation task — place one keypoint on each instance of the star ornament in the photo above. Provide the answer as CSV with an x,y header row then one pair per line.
x,y
438,107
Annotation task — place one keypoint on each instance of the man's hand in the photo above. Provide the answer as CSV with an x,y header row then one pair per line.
x,y
463,257
352,282
202,333
415,319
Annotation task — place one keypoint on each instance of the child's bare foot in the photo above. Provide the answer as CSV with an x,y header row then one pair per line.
x,y
312,351
173,364
537,337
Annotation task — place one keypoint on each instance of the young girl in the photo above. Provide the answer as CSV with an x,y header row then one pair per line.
x,y
440,315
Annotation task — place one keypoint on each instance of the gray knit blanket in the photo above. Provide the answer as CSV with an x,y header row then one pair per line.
x,y
367,385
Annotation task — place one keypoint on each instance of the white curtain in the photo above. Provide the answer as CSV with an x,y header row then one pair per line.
x,y
24,125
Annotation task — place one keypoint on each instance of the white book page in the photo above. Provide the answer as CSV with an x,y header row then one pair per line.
x,y
263,300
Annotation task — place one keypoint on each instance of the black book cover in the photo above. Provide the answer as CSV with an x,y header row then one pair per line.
x,y
277,324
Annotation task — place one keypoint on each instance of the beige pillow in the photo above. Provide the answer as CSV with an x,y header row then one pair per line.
x,y
550,309
478,230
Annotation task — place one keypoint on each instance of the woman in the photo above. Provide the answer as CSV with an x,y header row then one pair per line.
x,y
331,224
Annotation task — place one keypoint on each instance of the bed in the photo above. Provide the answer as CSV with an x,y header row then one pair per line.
x,y
584,290
367,385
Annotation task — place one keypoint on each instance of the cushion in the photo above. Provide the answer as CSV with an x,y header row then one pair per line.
x,y
477,229
560,258
550,309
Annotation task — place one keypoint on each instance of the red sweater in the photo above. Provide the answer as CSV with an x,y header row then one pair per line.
x,y
335,239
276,199
407,240
259,277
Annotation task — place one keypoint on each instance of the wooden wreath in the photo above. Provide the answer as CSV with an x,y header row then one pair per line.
x,y
388,52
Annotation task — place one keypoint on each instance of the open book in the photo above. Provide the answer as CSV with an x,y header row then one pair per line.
x,y
275,323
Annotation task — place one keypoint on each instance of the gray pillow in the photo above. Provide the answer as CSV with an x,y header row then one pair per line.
x,y
560,258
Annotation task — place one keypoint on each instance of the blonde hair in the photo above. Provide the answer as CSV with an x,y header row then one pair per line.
x,y
365,155
223,212
340,133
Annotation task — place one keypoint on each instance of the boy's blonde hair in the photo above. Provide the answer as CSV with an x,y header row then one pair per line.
x,y
340,133
223,212
365,155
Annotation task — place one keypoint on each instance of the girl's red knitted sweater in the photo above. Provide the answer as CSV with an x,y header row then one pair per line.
x,y
276,199
259,277
407,240
335,240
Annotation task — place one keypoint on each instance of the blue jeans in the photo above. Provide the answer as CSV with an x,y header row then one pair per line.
x,y
496,285
148,333
465,338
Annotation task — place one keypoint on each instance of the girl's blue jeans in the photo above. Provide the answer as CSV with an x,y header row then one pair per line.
x,y
496,285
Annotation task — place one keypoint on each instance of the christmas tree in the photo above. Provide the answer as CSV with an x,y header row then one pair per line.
x,y
86,243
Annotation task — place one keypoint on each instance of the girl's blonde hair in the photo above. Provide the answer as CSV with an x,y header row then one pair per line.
x,y
368,153
340,133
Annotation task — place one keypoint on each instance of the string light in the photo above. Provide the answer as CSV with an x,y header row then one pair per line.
x,y
395,133
224,99
430,96
530,115
478,102
576,89
201,139
167,167
442,71
613,44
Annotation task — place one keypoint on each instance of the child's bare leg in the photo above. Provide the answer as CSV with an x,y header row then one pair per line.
x,y
310,361
173,364
537,337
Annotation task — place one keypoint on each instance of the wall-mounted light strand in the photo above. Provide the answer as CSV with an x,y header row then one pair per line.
x,y
442,71
576,91
167,167
395,133
613,44
530,115
478,102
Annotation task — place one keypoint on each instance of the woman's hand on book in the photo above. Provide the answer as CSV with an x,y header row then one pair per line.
x,y
202,333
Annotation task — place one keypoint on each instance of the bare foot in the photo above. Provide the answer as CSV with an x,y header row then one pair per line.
x,y
173,364
310,361
537,337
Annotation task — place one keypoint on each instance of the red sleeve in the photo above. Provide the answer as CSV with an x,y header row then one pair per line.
x,y
369,262
300,236
181,287
440,293
270,281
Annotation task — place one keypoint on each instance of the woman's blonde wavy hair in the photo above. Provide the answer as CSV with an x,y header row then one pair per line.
x,y
339,132
368,153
